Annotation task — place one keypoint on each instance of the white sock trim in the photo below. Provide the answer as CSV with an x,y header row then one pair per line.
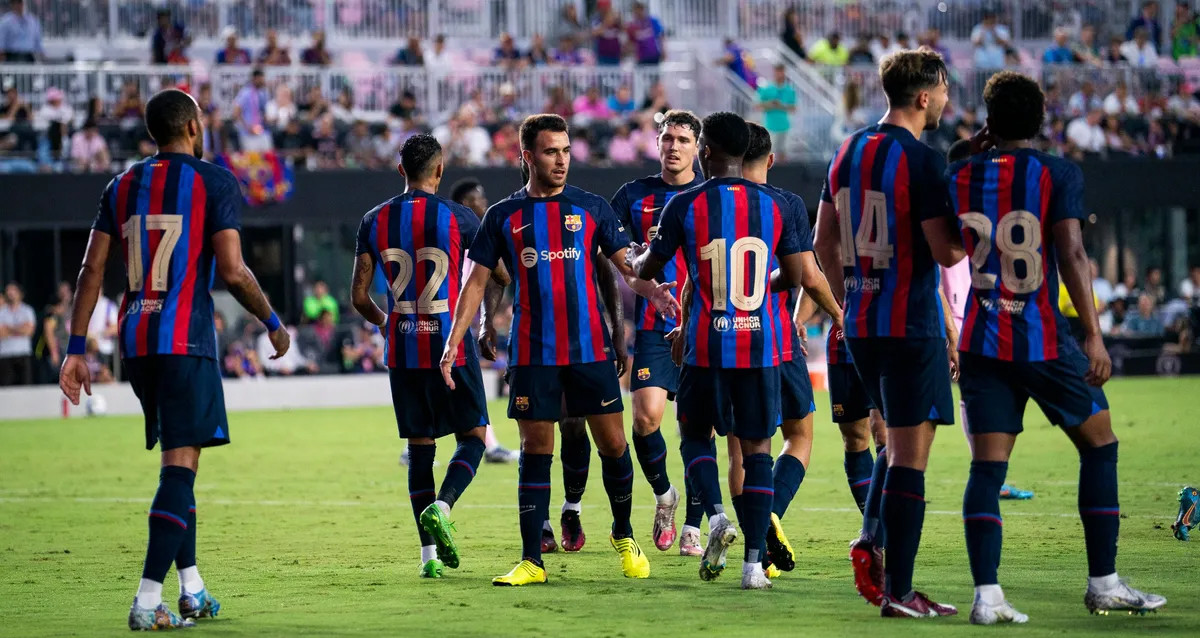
x,y
149,594
1104,583
689,528
444,506
428,553
190,581
668,497
575,507
989,594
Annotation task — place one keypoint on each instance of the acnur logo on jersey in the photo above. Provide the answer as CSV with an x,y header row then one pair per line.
x,y
530,256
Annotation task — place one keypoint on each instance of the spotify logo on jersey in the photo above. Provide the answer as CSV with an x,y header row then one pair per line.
x,y
529,257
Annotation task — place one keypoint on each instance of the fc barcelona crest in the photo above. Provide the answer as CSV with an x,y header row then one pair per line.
x,y
522,403
643,374
574,223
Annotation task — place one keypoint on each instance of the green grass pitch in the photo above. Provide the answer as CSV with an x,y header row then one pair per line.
x,y
305,529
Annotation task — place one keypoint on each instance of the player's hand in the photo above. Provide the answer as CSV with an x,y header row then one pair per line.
x,y
73,375
449,354
281,341
664,302
675,337
487,343
1099,364
982,140
635,250
837,327
619,353
952,354
802,332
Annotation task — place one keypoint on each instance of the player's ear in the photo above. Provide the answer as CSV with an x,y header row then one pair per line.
x,y
770,160
923,100
439,169
400,169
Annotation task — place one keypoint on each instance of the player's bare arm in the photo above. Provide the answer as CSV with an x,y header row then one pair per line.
x,y
227,248
493,294
360,290
607,280
1077,277
945,241
828,246
676,334
74,372
951,334
631,268
464,314
812,281
793,267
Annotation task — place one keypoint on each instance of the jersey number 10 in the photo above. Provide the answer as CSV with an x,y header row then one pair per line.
x,y
425,304
733,262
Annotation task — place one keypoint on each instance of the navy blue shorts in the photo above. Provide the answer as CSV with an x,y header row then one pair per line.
x,y
427,408
739,401
996,392
908,378
848,398
652,365
796,397
182,400
540,393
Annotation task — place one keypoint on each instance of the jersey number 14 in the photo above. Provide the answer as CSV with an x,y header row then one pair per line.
x,y
871,239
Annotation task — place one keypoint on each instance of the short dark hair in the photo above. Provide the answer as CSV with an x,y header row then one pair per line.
x,y
904,74
682,118
726,132
460,189
167,115
535,124
760,143
959,150
1016,106
418,155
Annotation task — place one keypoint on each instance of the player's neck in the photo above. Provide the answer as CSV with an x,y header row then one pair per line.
x,y
182,148
1012,145
913,121
756,173
427,186
534,189
728,168
680,178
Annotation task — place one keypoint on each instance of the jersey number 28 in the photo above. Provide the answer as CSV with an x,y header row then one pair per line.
x,y
1012,251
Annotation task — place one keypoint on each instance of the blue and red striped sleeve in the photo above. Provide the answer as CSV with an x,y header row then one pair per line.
x,y
106,221
226,201
485,248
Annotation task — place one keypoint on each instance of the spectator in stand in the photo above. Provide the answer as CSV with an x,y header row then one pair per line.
x,y
646,36
360,146
170,41
621,103
883,46
13,107
411,55
621,148
567,53
1120,102
569,25
1128,288
1085,133
793,32
581,146
293,362
1084,100
342,109
314,105
1147,19
249,114
1060,52
16,337
829,51
507,56
1185,32
282,108
232,53
1102,288
319,300
58,117
990,40
89,151
557,103
326,145
506,146
645,139
655,100
607,33
1189,288
439,57
1184,105
1113,55
292,142
386,148
56,324
933,40
145,150
463,141
860,53
104,326
1144,322
777,99
98,368
1087,49
475,107
738,62
316,55
1116,140
1140,51
20,35
362,350
507,109
1155,286
590,107
273,54
406,109
318,341
539,55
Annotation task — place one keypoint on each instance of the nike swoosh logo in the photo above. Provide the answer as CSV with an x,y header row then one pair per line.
x,y
605,404
651,210
517,231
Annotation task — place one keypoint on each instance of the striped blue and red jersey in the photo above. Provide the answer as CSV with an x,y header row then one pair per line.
x,y
639,206
787,339
550,245
418,239
1007,205
883,182
164,210
730,230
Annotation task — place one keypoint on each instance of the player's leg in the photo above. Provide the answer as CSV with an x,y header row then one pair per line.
x,y
497,453
735,475
857,462
704,410
755,401
649,403
689,536
575,455
422,493
788,474
169,520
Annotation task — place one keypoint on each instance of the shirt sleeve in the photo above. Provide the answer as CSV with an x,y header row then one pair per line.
x,y
670,230
105,221
226,204
362,243
485,250
620,206
468,224
1066,200
804,233
933,198
611,236
789,239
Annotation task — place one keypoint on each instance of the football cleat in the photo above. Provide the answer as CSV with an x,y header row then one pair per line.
x,y
914,605
985,614
720,537
689,542
664,522
157,619
432,568
549,545
1122,598
501,454
867,560
753,577
772,571
634,563
201,605
437,524
573,537
526,572
1014,494
1189,498
779,550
